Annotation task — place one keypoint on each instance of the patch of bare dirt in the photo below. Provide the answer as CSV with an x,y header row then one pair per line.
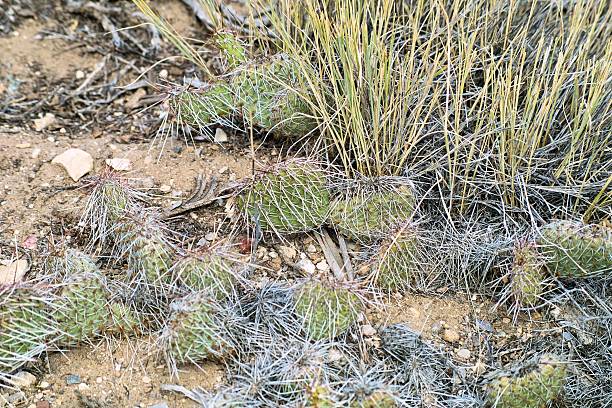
x,y
26,52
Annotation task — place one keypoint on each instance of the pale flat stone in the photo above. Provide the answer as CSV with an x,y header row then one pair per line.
x,y
119,164
76,162
13,272
41,124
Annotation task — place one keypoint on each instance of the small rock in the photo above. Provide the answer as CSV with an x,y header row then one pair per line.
x,y
323,266
43,404
134,99
163,74
334,355
99,380
367,330
164,188
83,387
223,170
146,379
44,122
23,379
306,266
72,379
13,272
15,399
450,336
79,74
505,320
311,249
211,236
36,152
76,162
287,253
119,164
464,354
484,325
23,145
272,254
220,136
44,385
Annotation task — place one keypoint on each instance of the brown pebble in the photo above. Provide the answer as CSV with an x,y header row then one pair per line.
x,y
450,336
43,404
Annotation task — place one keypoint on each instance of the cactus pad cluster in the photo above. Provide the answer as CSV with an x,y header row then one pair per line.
x,y
326,311
208,271
575,250
535,389
291,197
369,215
27,325
195,330
399,259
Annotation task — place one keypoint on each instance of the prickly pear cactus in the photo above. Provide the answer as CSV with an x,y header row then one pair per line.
x,y
81,309
27,326
264,94
194,331
326,312
211,103
399,260
141,241
292,197
527,275
206,272
378,399
371,214
533,390
320,396
233,50
123,321
109,200
68,262
576,250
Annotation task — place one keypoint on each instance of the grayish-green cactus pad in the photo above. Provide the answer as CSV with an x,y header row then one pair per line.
x,y
576,250
290,198
326,312
195,331
533,390
371,214
27,326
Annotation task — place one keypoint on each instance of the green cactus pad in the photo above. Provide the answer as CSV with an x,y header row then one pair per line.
x,y
27,326
326,312
123,321
533,390
320,396
378,399
81,309
371,215
142,242
204,106
264,94
527,275
576,250
233,50
210,272
290,198
69,262
194,331
399,259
